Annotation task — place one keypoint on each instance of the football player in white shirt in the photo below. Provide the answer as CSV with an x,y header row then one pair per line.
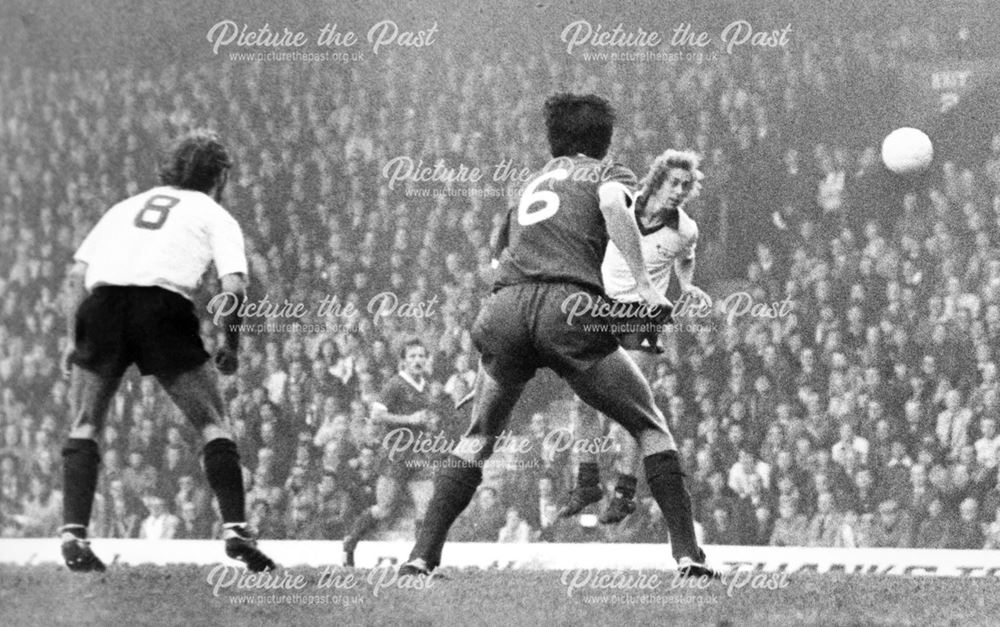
x,y
129,302
669,239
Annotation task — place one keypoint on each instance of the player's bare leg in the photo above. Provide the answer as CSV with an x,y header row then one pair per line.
x,y
615,386
196,393
459,477
387,494
90,398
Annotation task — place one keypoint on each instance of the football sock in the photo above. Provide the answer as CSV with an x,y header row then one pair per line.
x,y
225,477
666,482
454,487
588,475
80,461
626,485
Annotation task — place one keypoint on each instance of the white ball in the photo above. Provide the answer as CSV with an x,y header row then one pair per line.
x,y
907,150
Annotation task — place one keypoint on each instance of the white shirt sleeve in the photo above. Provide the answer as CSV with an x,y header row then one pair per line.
x,y
86,250
226,239
692,243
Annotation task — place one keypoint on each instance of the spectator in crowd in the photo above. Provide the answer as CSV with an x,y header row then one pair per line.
x,y
484,520
892,528
992,531
746,470
988,445
826,522
763,526
850,451
967,531
934,528
191,525
719,529
159,524
515,529
791,527
876,386
40,515
262,518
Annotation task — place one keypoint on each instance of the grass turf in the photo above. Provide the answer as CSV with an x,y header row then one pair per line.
x,y
181,595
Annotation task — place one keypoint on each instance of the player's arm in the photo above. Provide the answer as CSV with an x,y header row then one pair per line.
x,y
229,256
502,239
234,283
76,291
623,230
684,269
380,413
382,410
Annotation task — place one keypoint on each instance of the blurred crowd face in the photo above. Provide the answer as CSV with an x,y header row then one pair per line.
x,y
80,190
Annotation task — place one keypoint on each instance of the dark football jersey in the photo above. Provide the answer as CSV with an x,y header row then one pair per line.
x,y
556,232
400,397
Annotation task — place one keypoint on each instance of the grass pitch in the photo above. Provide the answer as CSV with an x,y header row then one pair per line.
x,y
184,595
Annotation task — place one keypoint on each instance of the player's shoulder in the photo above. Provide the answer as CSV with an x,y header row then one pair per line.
x,y
605,170
617,171
581,168
200,205
687,226
395,382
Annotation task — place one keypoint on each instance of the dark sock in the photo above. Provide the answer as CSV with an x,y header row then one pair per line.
x,y
80,461
222,467
363,524
666,482
626,485
588,475
454,486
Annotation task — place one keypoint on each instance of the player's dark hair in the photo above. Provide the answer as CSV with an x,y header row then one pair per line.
x,y
579,124
408,344
196,161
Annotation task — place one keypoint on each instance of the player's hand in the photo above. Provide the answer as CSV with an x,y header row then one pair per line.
x,y
652,297
698,296
67,366
226,360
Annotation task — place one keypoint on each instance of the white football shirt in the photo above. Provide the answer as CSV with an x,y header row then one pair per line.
x,y
660,248
164,237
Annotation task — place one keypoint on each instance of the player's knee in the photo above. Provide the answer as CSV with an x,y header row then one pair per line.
x,y
84,432
211,432
654,441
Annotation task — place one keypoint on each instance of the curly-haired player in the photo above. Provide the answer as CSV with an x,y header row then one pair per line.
x,y
130,302
669,238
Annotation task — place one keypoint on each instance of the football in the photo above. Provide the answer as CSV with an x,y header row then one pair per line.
x,y
907,150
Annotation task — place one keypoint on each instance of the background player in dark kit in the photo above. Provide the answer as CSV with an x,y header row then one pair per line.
x,y
405,402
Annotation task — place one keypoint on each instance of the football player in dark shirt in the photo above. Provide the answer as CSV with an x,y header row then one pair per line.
x,y
405,403
565,216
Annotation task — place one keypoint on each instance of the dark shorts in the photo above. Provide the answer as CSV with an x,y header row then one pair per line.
x,y
525,327
642,333
152,327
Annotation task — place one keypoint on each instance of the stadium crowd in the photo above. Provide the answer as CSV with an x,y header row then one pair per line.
x,y
864,416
